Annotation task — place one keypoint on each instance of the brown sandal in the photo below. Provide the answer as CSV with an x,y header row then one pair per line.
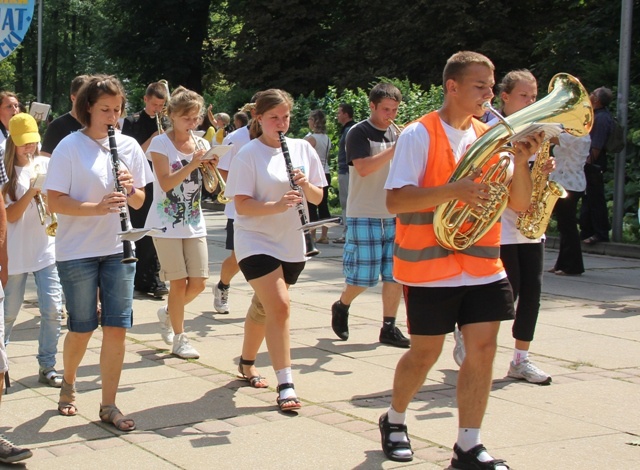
x,y
256,381
109,414
67,402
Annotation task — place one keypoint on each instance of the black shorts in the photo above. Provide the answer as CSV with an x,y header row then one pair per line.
x,y
435,311
257,266
229,242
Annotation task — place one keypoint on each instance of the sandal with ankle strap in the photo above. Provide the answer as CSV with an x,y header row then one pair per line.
x,y
67,402
399,451
109,414
256,381
287,404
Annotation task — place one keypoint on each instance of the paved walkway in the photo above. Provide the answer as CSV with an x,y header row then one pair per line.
x,y
197,414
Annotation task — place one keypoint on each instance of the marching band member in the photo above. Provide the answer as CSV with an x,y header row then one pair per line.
x,y
81,189
229,268
36,256
177,197
443,287
144,126
522,257
269,247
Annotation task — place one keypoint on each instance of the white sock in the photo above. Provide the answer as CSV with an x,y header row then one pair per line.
x,y
519,355
284,376
468,438
397,418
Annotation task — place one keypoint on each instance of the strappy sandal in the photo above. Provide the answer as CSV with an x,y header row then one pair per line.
x,y
394,450
109,414
67,402
469,459
287,404
256,381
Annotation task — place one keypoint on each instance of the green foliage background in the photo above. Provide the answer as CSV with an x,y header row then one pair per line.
x,y
323,52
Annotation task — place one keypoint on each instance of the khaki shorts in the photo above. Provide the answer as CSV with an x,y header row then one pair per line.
x,y
182,257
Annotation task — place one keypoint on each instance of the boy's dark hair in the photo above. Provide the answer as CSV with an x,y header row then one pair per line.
x,y
382,91
347,109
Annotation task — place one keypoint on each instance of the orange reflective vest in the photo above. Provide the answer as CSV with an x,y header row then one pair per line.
x,y
417,256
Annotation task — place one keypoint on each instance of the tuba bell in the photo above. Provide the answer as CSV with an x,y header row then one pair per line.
x,y
457,226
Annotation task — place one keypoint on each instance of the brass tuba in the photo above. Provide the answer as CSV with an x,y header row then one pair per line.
x,y
457,226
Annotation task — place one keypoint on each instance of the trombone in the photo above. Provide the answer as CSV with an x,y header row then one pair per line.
x,y
163,113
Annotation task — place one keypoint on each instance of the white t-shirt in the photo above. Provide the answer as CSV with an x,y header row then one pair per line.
x,y
407,169
180,209
238,138
30,248
510,235
259,171
571,155
81,167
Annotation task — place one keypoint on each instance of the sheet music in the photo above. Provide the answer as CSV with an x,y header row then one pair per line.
x,y
218,150
550,129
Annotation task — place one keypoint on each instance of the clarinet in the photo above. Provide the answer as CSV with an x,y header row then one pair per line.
x,y
127,255
310,245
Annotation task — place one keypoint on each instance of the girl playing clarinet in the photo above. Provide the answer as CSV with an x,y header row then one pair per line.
x,y
269,246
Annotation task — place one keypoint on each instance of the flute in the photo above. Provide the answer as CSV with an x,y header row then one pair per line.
x,y
310,246
127,255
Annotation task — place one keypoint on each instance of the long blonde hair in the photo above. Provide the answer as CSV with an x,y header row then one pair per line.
x,y
10,155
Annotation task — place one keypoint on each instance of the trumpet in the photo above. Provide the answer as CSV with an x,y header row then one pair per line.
x,y
43,213
210,179
396,128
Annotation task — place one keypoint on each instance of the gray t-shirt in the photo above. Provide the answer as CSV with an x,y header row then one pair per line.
x,y
367,197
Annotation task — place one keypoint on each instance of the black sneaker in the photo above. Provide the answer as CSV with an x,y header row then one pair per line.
x,y
397,451
340,320
160,291
469,460
10,453
394,337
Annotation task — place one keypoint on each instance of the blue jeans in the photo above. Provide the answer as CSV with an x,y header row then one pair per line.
x,y
81,279
50,303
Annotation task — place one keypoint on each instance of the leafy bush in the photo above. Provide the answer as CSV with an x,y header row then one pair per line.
x,y
415,103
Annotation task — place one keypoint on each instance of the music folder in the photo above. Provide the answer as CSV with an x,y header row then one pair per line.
x,y
218,150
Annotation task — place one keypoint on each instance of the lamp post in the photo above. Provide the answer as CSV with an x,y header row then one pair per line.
x,y
626,14
39,78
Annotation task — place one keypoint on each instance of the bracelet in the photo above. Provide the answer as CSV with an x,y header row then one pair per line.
x,y
133,191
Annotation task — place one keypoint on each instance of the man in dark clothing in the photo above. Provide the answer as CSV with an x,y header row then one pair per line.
x,y
345,117
66,124
143,127
594,217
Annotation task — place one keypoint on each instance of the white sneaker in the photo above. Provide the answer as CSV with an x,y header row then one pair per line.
x,y
221,299
526,370
182,348
166,330
458,351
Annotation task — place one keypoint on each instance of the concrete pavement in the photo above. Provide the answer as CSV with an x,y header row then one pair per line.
x,y
197,414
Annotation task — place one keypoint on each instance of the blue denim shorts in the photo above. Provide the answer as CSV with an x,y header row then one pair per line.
x,y
368,252
80,281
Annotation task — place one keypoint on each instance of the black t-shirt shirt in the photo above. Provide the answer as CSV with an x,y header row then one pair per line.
x,y
58,130
140,126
